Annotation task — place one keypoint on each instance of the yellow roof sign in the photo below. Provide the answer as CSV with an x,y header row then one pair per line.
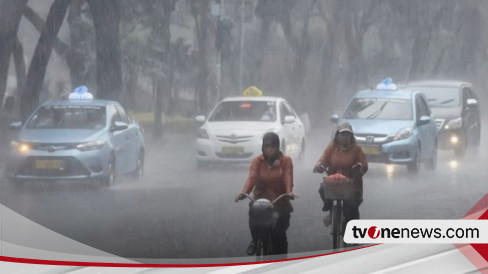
x,y
252,91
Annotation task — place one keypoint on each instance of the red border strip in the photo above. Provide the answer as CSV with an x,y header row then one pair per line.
x,y
72,263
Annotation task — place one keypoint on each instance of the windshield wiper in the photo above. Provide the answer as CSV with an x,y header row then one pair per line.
x,y
446,101
376,113
349,114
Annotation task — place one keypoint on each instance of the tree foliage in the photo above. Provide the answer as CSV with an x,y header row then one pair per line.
x,y
150,54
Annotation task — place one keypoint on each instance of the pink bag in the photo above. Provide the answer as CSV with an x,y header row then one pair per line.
x,y
338,187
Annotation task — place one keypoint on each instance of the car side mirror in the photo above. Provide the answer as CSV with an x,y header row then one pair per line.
x,y
471,102
200,119
15,125
424,120
118,126
289,119
334,118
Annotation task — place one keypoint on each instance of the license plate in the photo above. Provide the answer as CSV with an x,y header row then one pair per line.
x,y
49,164
232,150
371,150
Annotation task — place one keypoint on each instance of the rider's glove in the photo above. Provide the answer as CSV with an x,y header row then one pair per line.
x,y
356,170
318,168
240,196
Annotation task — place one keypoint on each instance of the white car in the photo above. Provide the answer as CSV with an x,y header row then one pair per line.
x,y
234,130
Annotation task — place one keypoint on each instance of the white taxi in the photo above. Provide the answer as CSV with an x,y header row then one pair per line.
x,y
233,131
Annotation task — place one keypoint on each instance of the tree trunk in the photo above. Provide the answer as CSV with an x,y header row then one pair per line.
x,y
59,46
10,15
42,53
20,73
201,25
158,109
77,57
163,91
299,71
106,19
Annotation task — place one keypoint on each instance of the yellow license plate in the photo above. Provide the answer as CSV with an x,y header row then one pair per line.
x,y
232,150
371,150
49,164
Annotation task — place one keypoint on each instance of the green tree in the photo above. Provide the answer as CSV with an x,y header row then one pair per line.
x,y
199,11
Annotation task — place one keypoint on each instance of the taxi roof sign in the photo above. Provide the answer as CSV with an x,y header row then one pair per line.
x,y
80,92
386,84
252,91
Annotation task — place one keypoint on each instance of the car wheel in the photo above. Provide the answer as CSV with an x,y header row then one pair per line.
x,y
138,173
477,137
414,166
109,180
431,163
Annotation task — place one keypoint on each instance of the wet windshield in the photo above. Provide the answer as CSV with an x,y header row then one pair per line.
x,y
441,96
262,111
68,117
379,108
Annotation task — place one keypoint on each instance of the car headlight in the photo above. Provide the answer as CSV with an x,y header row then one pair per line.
x,y
20,146
454,124
202,134
98,144
403,133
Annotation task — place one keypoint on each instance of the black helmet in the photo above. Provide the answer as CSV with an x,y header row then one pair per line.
x,y
272,139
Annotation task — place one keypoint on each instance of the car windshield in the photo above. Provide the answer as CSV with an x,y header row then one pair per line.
x,y
68,117
441,96
379,108
262,111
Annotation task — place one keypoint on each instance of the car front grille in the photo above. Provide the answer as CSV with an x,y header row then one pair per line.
x,y
233,139
53,147
70,167
372,138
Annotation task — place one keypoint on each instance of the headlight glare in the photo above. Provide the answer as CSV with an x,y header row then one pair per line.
x,y
454,124
20,146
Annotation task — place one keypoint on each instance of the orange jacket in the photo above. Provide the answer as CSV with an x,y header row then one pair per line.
x,y
271,181
338,161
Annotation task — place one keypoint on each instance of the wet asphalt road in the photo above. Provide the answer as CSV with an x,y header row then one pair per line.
x,y
179,211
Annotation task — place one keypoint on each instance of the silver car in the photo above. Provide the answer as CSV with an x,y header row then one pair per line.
x,y
76,139
393,126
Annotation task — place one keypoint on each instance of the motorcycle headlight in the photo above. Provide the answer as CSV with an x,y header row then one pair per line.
x,y
202,134
454,124
98,144
403,133
21,147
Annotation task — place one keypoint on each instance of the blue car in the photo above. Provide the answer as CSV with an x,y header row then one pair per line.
x,y
393,126
76,139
